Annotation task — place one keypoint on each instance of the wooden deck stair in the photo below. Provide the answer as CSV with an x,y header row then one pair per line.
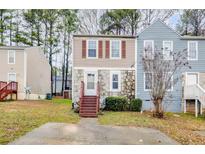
x,y
8,89
89,105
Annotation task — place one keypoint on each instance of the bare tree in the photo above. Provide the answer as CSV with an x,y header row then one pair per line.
x,y
162,72
183,26
197,21
89,21
150,15
192,22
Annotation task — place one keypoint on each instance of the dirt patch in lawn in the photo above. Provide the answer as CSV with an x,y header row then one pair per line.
x,y
19,117
181,128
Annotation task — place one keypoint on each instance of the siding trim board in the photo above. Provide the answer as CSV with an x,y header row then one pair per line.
x,y
25,69
105,68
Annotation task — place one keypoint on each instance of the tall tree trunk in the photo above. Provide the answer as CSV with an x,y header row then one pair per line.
x,y
17,28
55,80
2,28
38,36
51,57
67,58
10,31
63,65
159,113
45,38
31,35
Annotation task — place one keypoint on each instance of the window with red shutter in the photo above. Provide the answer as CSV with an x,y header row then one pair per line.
x,y
84,49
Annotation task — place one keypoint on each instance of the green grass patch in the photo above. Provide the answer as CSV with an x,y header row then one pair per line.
x,y
18,118
61,101
180,127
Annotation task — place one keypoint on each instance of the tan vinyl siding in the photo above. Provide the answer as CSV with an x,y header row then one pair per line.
x,y
38,72
127,62
17,68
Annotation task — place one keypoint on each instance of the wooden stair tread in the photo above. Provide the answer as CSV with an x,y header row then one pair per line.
x,y
88,106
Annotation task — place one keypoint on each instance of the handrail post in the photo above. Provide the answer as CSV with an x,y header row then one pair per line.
x,y
98,97
81,93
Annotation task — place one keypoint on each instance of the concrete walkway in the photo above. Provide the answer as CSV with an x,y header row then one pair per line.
x,y
88,131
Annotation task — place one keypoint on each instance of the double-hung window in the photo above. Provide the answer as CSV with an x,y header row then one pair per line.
x,y
148,79
192,50
115,80
168,50
11,77
148,49
115,49
11,56
92,49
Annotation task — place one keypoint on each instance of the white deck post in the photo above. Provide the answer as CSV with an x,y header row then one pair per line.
x,y
196,108
201,108
184,105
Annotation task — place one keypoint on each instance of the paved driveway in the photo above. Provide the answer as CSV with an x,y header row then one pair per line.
x,y
88,131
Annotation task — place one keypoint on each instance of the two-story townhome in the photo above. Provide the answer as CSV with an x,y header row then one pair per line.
x,y
188,94
28,67
101,66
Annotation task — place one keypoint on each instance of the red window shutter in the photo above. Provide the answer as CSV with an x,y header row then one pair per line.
x,y
84,49
100,53
123,49
107,51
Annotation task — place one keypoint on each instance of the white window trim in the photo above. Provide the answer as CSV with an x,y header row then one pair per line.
x,y
196,50
144,81
119,81
14,56
152,83
87,44
152,47
11,74
192,73
119,49
164,49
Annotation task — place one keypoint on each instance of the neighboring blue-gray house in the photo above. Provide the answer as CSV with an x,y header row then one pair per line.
x,y
192,84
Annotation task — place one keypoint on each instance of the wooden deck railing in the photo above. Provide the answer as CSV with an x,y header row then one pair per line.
x,y
11,87
2,84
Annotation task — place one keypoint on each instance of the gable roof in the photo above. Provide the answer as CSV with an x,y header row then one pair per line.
x,y
159,20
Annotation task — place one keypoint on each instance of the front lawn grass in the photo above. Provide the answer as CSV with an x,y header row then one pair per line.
x,y
20,117
180,127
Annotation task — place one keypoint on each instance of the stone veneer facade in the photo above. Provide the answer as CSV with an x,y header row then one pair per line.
x,y
127,84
